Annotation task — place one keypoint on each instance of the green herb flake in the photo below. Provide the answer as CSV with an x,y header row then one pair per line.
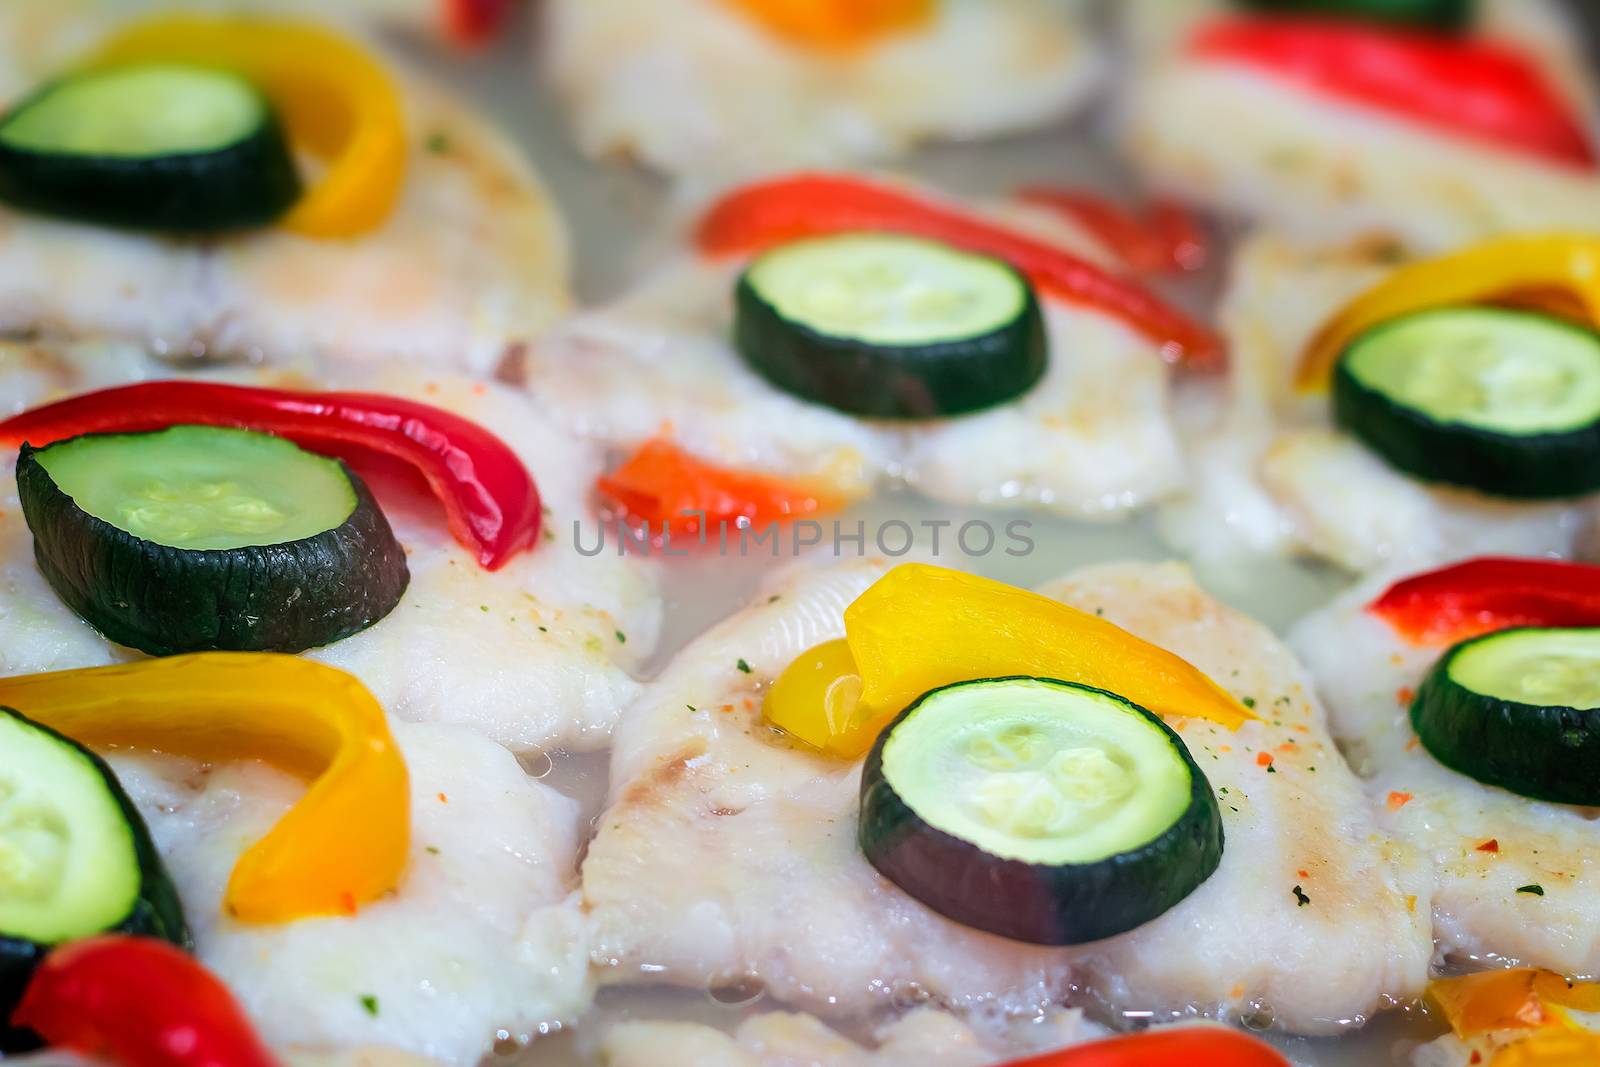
x,y
370,1004
1534,890
439,143
433,850
484,608
1248,702
743,666
1300,898
622,638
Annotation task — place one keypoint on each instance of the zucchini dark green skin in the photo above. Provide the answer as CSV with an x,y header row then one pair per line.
x,y
1545,753
246,184
925,381
1439,14
1071,904
163,601
1526,467
157,912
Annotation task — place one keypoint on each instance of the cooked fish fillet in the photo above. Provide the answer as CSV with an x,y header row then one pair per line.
x,y
926,1038
743,839
471,265
1092,440
1367,675
481,936
535,655
1270,474
697,87
1242,140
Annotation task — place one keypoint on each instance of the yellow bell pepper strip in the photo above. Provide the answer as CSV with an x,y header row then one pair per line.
x,y
920,627
335,99
1557,272
1523,998
342,845
837,25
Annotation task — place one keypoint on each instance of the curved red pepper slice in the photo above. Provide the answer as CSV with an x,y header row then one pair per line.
x,y
1167,239
1479,596
1473,87
665,486
768,213
475,22
1190,1046
488,495
140,1003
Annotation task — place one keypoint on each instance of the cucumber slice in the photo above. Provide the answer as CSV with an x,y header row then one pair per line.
x,y
1504,402
75,857
1039,810
890,326
150,146
1518,709
201,537
1439,14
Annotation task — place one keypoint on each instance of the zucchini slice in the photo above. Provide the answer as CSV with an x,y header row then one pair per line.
x,y
1518,709
151,147
75,857
1439,14
1039,810
201,537
1504,402
890,326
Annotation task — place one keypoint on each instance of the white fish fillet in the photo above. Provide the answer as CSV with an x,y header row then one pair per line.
x,y
471,265
538,654
743,840
1270,474
1366,673
926,1037
696,87
482,935
1093,439
1238,139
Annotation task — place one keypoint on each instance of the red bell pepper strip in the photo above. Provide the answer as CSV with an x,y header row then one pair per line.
x,y
140,1003
1188,1046
488,495
665,486
756,217
1469,86
475,22
1167,239
1464,600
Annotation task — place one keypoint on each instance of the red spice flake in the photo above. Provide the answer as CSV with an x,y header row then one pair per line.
x,y
1303,874
1411,745
1477,1057
725,708
1405,695
749,704
443,799
1491,845
1301,728
1398,800
347,902
1288,746
1263,759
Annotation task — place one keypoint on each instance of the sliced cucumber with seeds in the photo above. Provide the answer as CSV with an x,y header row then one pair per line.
x,y
1039,810
150,146
201,537
1518,709
75,857
1504,402
890,326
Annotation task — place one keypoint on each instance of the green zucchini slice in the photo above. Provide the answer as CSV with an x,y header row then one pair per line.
x,y
890,326
1504,402
75,857
1518,709
201,537
1040,810
1438,14
150,146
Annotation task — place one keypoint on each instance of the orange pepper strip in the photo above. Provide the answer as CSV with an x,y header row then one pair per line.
x,y
1518,999
1551,1048
920,627
343,844
837,25
1491,272
335,99
665,486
